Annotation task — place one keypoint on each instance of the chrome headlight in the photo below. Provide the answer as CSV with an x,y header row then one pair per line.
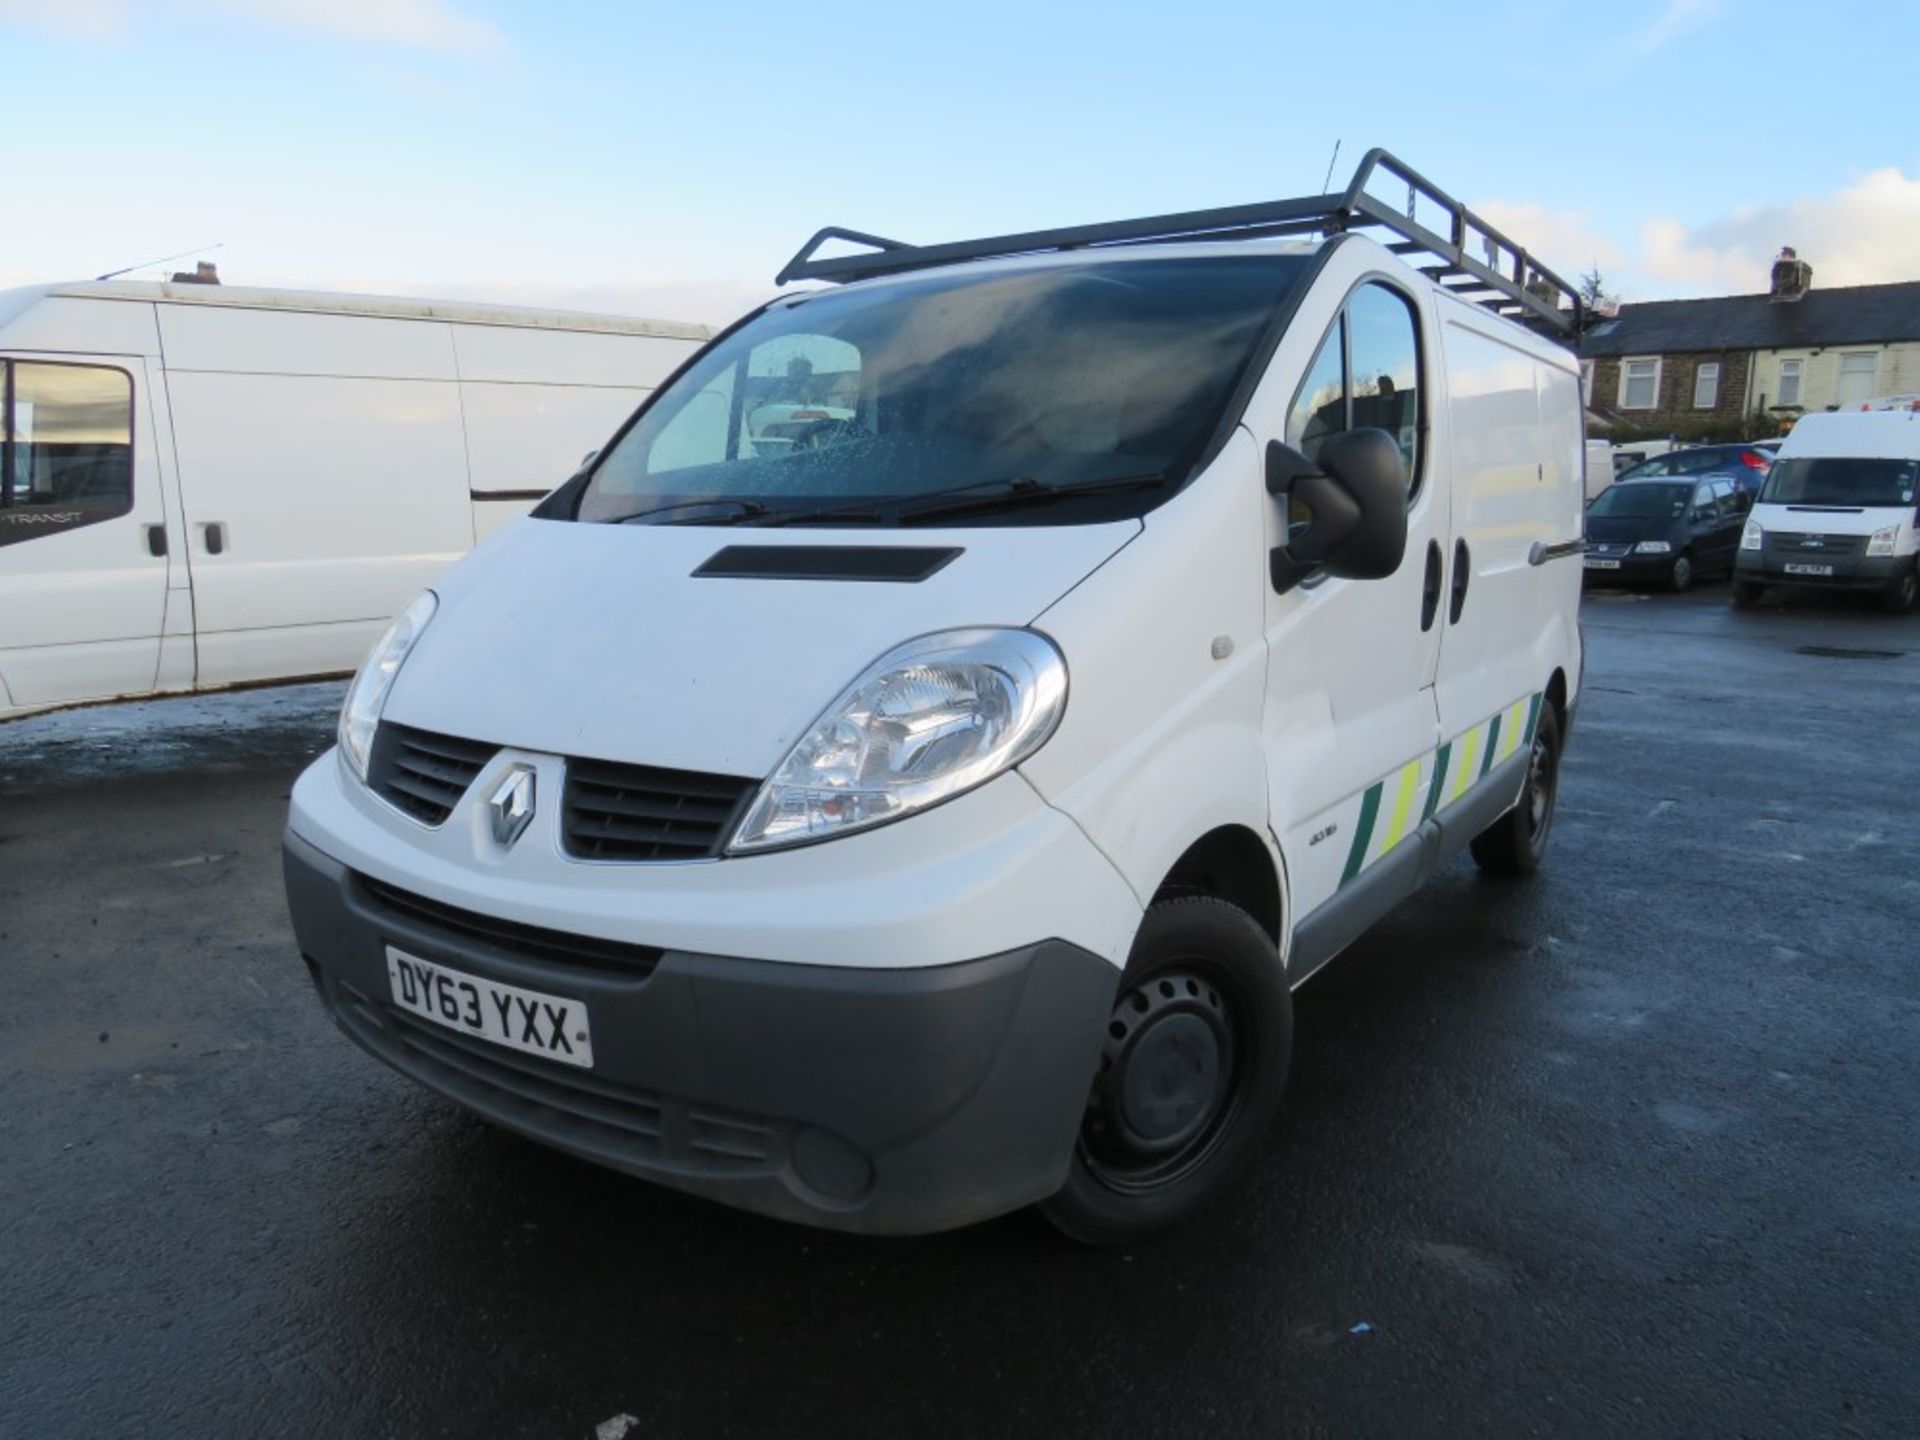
x,y
1653,547
368,693
926,721
1881,541
1750,537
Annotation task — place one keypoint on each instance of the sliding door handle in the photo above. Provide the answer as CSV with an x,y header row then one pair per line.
x,y
156,541
1462,572
1430,595
216,537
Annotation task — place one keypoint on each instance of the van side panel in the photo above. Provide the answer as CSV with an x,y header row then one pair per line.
x,y
329,452
1516,439
535,402
1161,740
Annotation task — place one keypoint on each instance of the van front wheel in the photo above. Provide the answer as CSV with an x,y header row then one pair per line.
x,y
1191,1072
1516,843
1898,597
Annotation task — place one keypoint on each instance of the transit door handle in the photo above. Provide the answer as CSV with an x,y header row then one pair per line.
x,y
156,540
216,538
1430,596
1462,572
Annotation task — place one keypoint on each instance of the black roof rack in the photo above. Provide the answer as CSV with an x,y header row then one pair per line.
x,y
1502,276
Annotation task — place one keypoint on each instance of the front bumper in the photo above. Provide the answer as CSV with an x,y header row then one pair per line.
x,y
1850,572
887,1101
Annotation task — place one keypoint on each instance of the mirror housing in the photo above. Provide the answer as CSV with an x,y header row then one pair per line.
x,y
1357,493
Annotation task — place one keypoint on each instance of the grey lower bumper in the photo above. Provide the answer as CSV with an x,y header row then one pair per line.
x,y
1850,572
880,1101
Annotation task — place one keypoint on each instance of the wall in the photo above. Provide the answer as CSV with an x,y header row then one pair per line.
x,y
1897,371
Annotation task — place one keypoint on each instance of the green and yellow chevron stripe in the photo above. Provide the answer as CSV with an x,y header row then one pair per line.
x,y
1387,808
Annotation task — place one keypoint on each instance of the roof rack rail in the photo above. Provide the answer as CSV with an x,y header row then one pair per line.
x,y
1503,277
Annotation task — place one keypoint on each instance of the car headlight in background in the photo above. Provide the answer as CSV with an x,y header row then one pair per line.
x,y
1750,537
1653,547
1881,541
368,693
926,721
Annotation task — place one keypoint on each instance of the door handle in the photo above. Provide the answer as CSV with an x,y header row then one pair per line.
x,y
1430,596
216,537
1462,572
156,541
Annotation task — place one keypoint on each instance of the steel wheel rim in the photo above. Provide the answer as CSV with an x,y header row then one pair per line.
x,y
1539,788
1169,1080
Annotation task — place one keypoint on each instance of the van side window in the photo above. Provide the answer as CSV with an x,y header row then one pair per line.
x,y
1367,375
1386,370
1320,409
66,448
698,434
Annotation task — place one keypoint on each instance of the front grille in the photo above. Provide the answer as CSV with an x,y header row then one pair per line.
x,y
616,1123
637,812
422,773
1609,549
531,942
1794,542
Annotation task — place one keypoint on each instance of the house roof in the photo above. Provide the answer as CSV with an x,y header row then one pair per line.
x,y
1852,315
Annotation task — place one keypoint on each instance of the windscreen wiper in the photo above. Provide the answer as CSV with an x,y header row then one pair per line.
x,y
743,510
1020,490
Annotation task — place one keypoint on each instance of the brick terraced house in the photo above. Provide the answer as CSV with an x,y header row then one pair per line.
x,y
1746,366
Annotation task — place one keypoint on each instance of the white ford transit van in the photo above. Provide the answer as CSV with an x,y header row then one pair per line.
x,y
212,485
1837,511
931,812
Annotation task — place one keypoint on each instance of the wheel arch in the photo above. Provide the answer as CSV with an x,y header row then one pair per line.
x,y
1234,863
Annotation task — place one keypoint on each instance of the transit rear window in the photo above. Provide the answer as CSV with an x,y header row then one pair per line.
x,y
66,447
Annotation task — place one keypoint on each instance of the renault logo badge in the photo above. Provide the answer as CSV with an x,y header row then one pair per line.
x,y
511,808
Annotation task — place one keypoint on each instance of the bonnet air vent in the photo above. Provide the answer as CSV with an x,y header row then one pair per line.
x,y
901,564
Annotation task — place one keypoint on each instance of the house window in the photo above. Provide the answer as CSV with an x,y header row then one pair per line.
x,y
1639,384
1790,382
1706,385
1586,383
1856,377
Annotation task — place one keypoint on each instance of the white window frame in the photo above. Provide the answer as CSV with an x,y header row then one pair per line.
x,y
1626,369
1872,357
1706,375
1798,377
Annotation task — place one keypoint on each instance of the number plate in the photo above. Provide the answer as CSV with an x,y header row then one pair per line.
x,y
1796,569
1603,564
544,1025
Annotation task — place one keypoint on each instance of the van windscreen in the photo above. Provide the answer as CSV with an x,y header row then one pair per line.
x,y
1841,480
856,403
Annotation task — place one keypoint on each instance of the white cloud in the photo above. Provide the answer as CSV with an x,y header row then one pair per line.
x,y
432,25
1678,18
74,19
1865,233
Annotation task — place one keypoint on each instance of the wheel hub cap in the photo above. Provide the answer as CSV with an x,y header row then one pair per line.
x,y
1165,1073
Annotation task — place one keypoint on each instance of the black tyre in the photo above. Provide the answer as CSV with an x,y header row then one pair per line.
x,y
1898,597
1516,843
1680,573
1190,1077
1747,593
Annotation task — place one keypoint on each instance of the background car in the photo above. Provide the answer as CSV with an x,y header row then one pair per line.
x,y
1665,531
1748,464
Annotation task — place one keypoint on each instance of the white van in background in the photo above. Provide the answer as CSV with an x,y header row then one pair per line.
x,y
1129,617
1837,510
203,485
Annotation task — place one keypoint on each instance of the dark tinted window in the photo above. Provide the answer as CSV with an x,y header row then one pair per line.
x,y
1836,480
1061,374
1643,501
66,448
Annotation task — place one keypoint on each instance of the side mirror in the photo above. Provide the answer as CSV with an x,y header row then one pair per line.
x,y
1356,494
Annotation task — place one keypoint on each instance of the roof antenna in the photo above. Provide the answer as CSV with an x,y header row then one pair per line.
x,y
197,250
1326,185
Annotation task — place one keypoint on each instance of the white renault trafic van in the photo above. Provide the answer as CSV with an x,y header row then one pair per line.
x,y
1837,511
930,813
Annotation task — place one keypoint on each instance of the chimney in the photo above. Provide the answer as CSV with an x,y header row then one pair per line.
x,y
1791,277
203,273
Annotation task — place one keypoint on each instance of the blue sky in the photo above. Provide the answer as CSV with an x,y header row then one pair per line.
x,y
666,159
